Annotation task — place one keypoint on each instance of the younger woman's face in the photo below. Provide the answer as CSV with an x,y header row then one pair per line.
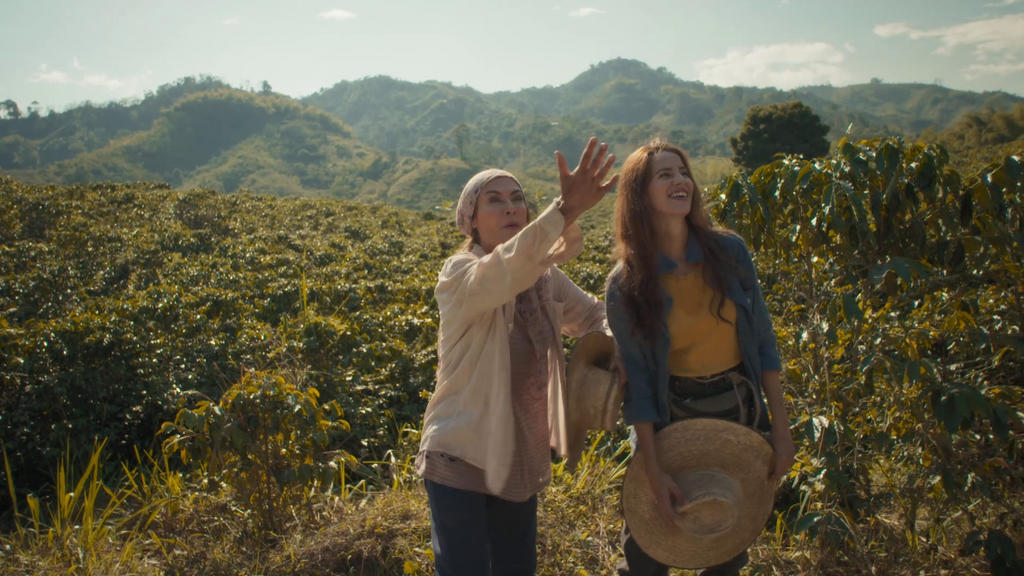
x,y
671,189
500,212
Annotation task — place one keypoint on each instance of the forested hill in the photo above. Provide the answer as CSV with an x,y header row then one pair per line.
x,y
227,139
415,144
633,100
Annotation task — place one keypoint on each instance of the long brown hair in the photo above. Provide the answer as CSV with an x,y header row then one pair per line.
x,y
636,249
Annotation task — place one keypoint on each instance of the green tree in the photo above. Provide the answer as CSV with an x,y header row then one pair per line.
x,y
461,135
790,128
9,109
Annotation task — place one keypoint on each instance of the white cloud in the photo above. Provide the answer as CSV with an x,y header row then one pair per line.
x,y
893,29
850,48
993,36
584,12
104,81
231,21
49,76
125,84
337,14
781,65
1000,39
1002,69
1003,3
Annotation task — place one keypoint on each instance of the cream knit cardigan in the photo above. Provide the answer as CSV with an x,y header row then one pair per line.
x,y
470,413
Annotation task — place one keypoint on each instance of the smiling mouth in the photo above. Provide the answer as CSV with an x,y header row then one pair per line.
x,y
512,225
679,195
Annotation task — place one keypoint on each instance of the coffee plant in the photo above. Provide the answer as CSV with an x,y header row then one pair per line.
x,y
898,292
267,439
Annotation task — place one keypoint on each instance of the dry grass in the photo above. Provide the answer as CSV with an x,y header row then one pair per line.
x,y
189,530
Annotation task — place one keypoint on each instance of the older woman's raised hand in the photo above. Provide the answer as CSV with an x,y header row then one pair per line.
x,y
584,187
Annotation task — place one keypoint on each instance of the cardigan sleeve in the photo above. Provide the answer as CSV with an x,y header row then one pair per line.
x,y
581,312
470,284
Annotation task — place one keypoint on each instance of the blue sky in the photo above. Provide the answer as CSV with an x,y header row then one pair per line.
x,y
62,51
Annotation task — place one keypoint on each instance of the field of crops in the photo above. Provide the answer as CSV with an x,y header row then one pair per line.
x,y
256,368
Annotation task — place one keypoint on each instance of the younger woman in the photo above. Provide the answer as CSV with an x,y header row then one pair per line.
x,y
690,321
499,404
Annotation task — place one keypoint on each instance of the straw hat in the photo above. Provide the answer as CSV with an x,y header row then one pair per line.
x,y
722,469
594,395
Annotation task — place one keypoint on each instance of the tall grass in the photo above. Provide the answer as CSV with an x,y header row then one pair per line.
x,y
89,527
155,520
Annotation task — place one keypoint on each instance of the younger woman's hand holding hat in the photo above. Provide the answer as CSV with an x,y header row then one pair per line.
x,y
785,453
665,490
584,187
663,487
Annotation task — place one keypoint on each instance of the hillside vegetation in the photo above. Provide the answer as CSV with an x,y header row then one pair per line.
x,y
413,144
276,356
631,102
982,136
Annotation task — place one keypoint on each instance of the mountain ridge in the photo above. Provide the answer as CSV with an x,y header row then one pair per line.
x,y
410,143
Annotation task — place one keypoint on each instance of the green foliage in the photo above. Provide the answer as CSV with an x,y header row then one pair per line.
x,y
981,138
62,135
9,110
88,525
229,139
985,128
789,128
999,550
618,96
201,133
117,301
16,152
897,286
895,283
623,101
267,439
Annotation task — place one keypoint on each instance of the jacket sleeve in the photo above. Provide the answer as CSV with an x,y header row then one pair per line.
x,y
581,312
640,401
470,285
767,346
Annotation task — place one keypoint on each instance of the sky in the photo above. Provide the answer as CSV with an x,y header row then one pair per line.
x,y
62,52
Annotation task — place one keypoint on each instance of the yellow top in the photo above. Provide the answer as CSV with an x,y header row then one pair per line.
x,y
701,344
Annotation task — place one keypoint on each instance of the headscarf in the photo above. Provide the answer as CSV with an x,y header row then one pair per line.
x,y
528,302
467,201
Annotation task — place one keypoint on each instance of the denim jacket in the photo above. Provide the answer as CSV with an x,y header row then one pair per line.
x,y
646,398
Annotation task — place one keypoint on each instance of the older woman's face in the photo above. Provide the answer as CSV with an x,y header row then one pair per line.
x,y
500,212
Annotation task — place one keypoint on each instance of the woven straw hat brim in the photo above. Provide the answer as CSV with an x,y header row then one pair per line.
x,y
594,396
692,445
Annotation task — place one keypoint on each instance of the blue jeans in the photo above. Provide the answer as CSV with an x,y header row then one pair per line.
x,y
477,534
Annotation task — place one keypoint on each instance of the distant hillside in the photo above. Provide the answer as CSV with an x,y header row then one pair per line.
x,y
415,144
980,138
228,140
627,101
33,140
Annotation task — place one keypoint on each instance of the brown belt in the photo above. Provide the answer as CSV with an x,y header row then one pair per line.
x,y
728,395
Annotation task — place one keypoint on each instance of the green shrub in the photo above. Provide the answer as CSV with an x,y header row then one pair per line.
x,y
266,440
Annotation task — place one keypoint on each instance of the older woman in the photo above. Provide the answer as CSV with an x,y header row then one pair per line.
x,y
499,403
